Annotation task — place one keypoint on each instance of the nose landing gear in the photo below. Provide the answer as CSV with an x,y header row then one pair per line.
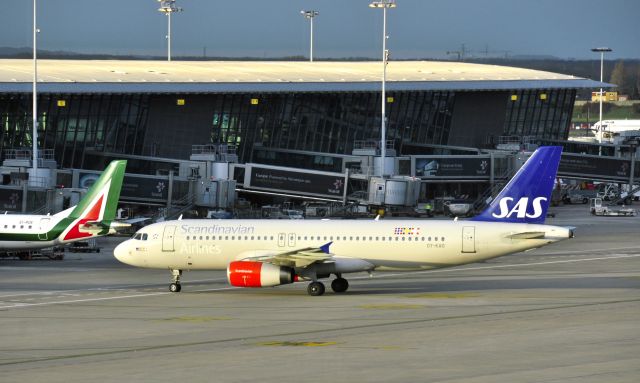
x,y
175,286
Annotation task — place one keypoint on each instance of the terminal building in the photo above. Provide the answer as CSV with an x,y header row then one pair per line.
x,y
166,117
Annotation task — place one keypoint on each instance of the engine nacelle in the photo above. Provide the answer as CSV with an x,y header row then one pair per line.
x,y
258,274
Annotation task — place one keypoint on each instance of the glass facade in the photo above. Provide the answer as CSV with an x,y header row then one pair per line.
x,y
540,113
81,128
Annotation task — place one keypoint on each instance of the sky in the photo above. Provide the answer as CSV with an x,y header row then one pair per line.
x,y
344,28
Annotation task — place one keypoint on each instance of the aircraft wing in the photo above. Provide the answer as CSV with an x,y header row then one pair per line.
x,y
302,257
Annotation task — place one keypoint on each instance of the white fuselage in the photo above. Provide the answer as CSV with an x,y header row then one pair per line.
x,y
385,244
36,227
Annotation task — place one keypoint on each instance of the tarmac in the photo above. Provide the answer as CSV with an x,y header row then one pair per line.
x,y
568,312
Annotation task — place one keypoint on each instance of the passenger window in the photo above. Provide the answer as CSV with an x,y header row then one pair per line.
x,y
442,239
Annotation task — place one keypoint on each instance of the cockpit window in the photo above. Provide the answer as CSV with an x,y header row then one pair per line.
x,y
141,236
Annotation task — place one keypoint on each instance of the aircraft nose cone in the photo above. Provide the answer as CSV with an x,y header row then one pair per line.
x,y
121,252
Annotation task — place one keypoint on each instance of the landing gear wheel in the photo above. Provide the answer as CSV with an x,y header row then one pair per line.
x,y
175,286
315,289
339,285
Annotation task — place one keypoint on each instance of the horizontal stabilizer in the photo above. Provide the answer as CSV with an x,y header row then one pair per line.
x,y
93,227
528,235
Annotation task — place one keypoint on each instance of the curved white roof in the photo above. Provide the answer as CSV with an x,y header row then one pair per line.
x,y
123,76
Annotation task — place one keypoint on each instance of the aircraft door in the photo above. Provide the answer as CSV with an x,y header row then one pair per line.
x,y
44,228
282,239
292,239
468,239
168,237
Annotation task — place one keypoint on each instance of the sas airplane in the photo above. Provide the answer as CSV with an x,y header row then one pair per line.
x,y
92,217
265,253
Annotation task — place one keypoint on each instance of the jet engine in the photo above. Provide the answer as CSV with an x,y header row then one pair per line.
x,y
258,274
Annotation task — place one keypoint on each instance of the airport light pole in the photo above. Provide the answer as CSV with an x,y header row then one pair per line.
x,y
310,15
602,50
384,4
34,136
168,7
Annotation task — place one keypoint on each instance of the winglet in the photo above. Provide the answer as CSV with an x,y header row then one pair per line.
x,y
325,247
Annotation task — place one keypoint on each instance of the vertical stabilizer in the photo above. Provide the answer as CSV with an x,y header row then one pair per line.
x,y
526,197
98,206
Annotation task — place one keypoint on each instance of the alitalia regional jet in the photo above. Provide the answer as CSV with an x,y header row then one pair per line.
x,y
92,217
265,253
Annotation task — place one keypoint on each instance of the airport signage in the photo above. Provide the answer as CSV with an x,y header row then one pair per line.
x,y
139,187
321,184
10,200
477,167
606,168
134,187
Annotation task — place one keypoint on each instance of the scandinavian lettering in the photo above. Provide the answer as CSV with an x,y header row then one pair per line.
x,y
217,229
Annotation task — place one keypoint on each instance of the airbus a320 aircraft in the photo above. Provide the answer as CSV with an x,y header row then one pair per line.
x,y
265,253
92,217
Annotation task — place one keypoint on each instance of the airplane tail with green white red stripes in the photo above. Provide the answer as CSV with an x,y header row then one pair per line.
x,y
95,212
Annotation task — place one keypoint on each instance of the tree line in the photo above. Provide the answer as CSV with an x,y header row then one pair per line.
x,y
623,73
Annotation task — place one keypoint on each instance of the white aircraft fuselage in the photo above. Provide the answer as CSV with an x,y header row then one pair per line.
x,y
266,253
384,244
33,227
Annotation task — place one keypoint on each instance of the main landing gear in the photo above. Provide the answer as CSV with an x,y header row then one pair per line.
x,y
338,285
175,286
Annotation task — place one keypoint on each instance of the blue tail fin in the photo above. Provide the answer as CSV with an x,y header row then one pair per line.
x,y
526,197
